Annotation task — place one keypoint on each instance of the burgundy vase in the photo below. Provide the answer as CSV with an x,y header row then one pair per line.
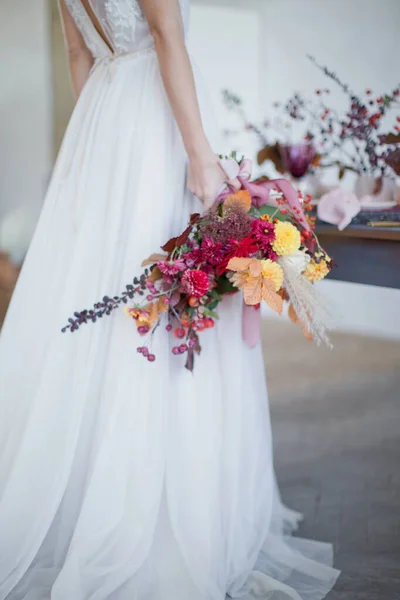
x,y
297,158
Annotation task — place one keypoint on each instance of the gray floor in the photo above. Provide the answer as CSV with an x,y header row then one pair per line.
x,y
336,423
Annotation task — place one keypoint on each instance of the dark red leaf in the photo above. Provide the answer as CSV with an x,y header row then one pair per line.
x,y
390,138
170,245
393,160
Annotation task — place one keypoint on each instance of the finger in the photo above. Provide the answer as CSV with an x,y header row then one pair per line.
x,y
193,190
235,184
208,201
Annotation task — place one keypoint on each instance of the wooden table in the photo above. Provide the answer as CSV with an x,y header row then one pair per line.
x,y
363,254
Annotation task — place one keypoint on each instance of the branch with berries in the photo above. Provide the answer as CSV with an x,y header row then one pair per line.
x,y
353,141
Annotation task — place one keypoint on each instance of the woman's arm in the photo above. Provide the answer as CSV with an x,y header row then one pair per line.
x,y
79,57
165,22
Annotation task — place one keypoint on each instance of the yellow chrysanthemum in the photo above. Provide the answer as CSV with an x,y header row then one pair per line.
x,y
271,270
316,271
287,239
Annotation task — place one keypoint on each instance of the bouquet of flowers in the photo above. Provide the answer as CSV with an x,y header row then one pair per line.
x,y
258,240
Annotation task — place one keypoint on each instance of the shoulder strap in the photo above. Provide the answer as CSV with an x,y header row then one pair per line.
x,y
93,39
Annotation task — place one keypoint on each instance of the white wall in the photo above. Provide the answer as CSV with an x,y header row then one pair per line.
x,y
225,43
25,104
355,38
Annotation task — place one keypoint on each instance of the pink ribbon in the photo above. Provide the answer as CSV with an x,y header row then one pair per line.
x,y
260,195
260,190
251,324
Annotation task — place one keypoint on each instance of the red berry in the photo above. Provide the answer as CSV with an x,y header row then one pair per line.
x,y
149,297
398,119
307,234
209,323
169,327
183,348
175,350
179,332
151,358
143,329
193,302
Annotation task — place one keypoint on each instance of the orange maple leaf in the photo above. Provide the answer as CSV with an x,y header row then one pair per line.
x,y
270,296
292,314
307,334
252,290
161,305
152,311
239,264
155,275
255,267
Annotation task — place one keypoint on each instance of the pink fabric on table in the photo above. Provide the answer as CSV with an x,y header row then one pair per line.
x,y
338,207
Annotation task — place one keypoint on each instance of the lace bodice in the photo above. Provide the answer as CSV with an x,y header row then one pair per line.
x,y
123,24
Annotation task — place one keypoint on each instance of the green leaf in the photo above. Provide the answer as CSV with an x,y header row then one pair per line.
x,y
270,211
224,286
211,313
213,304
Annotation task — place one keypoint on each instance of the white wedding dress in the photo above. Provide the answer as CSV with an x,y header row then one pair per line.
x,y
121,479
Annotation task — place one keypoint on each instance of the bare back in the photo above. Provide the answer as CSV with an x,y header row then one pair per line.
x,y
113,26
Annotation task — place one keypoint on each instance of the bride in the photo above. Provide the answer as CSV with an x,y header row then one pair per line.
x,y
122,480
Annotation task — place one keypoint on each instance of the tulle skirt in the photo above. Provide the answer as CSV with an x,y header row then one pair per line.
x,y
121,479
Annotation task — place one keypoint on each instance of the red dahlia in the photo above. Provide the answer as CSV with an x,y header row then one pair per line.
x,y
264,232
195,283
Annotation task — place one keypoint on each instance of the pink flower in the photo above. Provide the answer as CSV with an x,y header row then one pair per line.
x,y
171,267
195,283
271,254
212,252
263,232
193,258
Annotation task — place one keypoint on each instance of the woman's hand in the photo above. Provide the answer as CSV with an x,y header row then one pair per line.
x,y
206,177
